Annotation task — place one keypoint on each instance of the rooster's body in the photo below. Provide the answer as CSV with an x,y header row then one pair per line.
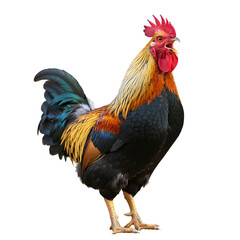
x,y
118,146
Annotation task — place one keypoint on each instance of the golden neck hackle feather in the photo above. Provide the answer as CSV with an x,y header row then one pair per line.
x,y
142,82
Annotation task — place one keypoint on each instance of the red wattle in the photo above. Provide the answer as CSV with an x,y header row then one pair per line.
x,y
164,62
167,62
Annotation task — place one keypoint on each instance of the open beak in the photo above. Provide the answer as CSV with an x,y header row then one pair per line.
x,y
170,45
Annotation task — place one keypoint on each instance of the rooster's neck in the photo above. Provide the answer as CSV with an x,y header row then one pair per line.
x,y
142,83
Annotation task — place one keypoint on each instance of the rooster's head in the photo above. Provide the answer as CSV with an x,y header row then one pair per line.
x,y
161,46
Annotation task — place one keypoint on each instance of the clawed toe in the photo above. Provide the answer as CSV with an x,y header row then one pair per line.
x,y
149,226
124,230
138,224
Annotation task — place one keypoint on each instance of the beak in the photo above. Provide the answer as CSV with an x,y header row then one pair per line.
x,y
175,39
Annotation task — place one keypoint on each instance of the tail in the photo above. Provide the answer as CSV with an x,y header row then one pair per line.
x,y
65,101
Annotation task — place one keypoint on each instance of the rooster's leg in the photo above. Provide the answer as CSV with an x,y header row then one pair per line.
x,y
116,228
136,220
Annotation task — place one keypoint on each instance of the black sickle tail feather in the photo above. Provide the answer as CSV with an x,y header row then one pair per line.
x,y
65,101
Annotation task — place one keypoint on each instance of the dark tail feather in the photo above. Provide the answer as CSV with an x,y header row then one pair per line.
x,y
65,101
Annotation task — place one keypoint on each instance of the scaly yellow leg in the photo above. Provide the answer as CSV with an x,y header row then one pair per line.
x,y
116,227
136,220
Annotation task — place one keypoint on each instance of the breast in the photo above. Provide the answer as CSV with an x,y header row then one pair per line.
x,y
175,124
166,127
175,115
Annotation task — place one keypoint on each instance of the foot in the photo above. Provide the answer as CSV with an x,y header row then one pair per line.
x,y
120,229
116,228
138,224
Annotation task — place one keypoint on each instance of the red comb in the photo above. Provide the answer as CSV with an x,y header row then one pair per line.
x,y
165,26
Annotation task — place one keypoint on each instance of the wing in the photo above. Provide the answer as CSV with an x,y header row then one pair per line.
x,y
104,138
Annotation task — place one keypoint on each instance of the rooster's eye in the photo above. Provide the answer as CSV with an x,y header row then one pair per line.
x,y
159,39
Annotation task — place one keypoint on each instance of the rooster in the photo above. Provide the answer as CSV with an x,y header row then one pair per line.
x,y
118,146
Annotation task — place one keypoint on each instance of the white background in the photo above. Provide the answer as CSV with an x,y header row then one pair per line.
x,y
194,192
